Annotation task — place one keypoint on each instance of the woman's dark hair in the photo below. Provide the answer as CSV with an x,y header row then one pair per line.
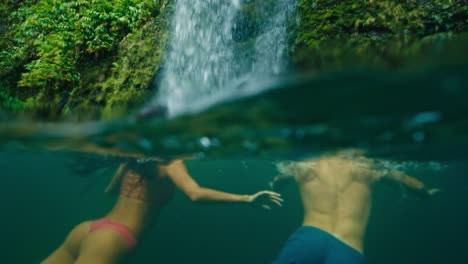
x,y
85,165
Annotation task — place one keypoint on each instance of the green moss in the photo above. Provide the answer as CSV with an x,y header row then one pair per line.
x,y
57,52
335,33
112,86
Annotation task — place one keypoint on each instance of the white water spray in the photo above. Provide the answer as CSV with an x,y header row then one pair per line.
x,y
201,67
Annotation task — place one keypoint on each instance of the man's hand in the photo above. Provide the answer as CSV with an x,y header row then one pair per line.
x,y
265,199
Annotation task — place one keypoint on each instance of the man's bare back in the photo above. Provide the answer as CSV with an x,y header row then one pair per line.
x,y
336,192
336,196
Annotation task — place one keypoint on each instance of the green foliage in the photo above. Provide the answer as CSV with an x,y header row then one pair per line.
x,y
110,87
125,81
70,57
50,40
7,101
331,29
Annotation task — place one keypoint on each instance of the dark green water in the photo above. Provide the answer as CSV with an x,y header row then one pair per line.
x,y
43,199
405,116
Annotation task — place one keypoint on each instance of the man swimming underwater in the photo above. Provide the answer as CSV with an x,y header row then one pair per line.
x,y
336,195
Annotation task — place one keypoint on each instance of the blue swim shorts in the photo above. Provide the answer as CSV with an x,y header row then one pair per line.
x,y
310,245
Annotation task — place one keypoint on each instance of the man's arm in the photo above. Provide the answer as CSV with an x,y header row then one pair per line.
x,y
178,173
293,171
410,182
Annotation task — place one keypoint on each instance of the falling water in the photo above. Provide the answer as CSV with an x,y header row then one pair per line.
x,y
271,45
202,64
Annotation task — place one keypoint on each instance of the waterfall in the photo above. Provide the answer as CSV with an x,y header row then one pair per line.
x,y
202,65
271,45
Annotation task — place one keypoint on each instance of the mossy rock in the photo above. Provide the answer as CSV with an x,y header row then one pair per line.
x,y
333,34
112,86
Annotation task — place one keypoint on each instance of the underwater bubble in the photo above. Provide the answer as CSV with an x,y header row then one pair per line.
x,y
205,142
424,118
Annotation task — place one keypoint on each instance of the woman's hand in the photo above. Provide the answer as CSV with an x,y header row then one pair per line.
x,y
265,199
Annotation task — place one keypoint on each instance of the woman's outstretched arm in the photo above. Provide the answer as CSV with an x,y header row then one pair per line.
x,y
177,172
